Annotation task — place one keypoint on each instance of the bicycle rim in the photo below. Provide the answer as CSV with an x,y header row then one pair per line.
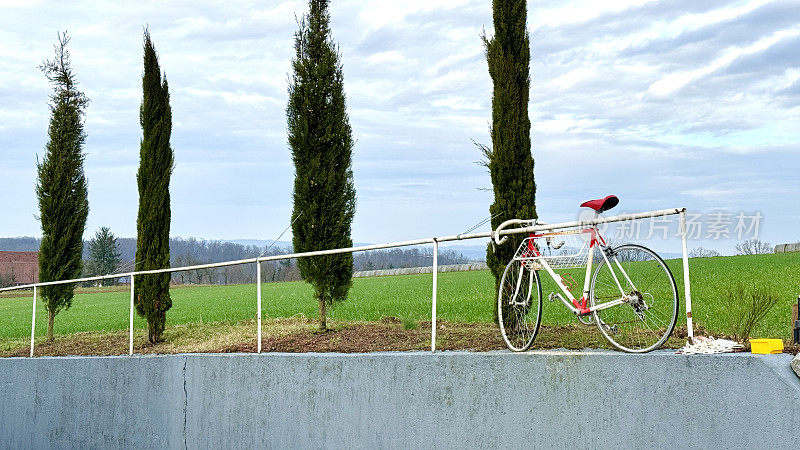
x,y
647,319
519,306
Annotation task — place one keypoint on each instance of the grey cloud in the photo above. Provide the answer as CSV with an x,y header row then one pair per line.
x,y
783,55
551,39
382,39
722,126
692,46
789,97
452,18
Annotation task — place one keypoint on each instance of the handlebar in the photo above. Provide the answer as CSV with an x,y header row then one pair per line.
x,y
496,234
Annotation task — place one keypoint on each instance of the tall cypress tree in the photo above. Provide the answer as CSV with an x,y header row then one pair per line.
x,y
61,187
156,161
321,142
509,160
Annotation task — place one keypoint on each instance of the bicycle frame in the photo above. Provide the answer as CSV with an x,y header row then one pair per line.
x,y
580,307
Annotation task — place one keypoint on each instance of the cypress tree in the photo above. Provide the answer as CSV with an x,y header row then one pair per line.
x,y
61,187
156,161
321,142
509,161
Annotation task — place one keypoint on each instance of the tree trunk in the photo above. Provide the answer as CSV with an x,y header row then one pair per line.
x,y
155,330
51,317
323,322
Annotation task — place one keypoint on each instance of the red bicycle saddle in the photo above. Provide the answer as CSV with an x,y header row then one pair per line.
x,y
601,204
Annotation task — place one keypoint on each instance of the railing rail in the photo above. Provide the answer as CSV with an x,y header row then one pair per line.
x,y
435,241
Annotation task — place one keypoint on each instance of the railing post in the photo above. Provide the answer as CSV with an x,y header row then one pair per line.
x,y
258,294
33,320
130,336
686,287
433,303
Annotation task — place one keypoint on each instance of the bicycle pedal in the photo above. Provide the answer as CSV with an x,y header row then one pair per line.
x,y
552,297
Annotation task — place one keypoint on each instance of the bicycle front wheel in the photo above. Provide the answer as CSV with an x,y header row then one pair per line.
x,y
646,318
519,306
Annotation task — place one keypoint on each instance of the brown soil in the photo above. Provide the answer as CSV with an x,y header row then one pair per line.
x,y
300,335
380,337
84,344
790,347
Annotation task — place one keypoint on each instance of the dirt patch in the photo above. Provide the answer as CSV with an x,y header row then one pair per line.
x,y
299,334
791,348
390,336
386,335
84,344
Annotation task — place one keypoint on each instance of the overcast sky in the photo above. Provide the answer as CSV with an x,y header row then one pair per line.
x,y
690,103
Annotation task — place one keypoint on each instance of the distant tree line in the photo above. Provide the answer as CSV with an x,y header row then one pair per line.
x,y
400,258
192,251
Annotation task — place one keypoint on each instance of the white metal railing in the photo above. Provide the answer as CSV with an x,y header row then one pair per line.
x,y
434,241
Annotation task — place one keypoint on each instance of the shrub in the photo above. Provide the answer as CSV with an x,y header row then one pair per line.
x,y
701,252
749,305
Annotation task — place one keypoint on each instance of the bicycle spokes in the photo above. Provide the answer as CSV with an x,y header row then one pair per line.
x,y
519,306
648,311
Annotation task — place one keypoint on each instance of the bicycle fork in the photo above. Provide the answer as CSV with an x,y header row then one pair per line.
x,y
515,299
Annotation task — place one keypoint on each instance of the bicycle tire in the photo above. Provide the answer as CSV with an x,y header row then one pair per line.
x,y
519,306
646,321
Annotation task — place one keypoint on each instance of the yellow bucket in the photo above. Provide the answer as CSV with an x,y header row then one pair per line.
x,y
766,346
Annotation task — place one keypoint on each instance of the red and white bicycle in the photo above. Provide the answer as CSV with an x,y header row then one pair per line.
x,y
631,296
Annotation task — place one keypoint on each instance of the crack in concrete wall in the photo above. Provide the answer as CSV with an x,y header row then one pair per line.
x,y
185,402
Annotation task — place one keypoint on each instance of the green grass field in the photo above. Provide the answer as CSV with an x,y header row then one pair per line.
x,y
463,297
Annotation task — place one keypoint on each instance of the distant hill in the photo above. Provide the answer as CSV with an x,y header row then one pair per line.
x,y
20,244
475,252
191,251
265,242
200,249
224,250
259,242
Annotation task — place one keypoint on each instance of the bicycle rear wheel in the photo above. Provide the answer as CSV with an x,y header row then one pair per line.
x,y
519,306
646,320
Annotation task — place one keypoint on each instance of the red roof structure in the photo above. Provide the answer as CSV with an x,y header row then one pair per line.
x,y
19,267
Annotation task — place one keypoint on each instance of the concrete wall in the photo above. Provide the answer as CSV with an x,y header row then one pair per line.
x,y
405,400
